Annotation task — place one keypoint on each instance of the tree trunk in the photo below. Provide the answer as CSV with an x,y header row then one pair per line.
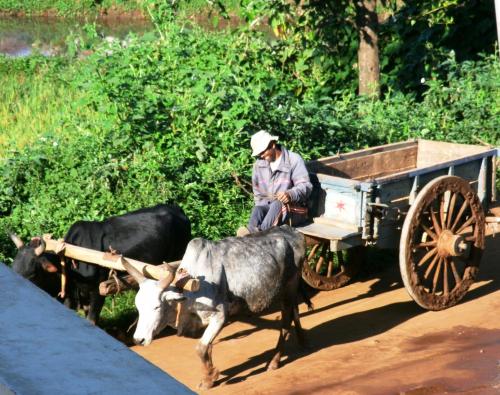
x,y
368,55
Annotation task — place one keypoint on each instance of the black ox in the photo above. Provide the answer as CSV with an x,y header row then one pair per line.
x,y
152,235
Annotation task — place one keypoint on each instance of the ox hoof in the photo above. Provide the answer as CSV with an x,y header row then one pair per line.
x,y
209,380
273,365
205,385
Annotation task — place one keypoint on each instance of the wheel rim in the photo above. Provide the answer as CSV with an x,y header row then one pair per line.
x,y
327,270
442,242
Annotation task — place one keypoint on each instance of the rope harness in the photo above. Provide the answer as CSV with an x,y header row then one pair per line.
x,y
289,210
118,281
64,277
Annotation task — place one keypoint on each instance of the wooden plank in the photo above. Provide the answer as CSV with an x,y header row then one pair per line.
x,y
493,221
395,191
326,179
366,152
111,287
495,210
440,166
107,259
336,223
327,232
344,205
494,177
492,229
345,244
370,166
432,152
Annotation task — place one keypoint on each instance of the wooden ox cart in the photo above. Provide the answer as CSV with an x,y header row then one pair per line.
x,y
426,198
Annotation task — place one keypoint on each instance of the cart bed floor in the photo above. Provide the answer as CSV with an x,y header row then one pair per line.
x,y
327,231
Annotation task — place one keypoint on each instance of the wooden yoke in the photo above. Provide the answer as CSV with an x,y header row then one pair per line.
x,y
111,260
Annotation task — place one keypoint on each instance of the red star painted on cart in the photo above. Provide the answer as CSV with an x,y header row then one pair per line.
x,y
340,205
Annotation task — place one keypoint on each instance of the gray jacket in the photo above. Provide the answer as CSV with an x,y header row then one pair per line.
x,y
291,176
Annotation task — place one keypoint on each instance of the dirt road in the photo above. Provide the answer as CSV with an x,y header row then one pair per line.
x,y
366,338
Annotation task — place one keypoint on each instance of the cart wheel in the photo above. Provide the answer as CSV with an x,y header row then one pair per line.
x,y
326,270
441,244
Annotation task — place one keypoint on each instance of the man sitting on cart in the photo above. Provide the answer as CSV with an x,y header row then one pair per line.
x,y
280,183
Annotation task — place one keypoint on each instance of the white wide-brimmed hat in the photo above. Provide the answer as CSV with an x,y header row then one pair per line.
x,y
260,141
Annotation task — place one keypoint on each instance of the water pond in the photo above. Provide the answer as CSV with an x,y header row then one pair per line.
x,y
23,36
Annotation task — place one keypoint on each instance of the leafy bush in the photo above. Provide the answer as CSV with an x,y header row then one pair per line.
x,y
419,37
153,120
66,7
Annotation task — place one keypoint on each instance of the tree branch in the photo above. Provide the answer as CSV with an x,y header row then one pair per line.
x,y
241,185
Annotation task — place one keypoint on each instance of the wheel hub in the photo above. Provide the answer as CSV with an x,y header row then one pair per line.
x,y
450,244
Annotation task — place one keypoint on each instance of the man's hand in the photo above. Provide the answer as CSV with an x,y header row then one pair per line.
x,y
283,197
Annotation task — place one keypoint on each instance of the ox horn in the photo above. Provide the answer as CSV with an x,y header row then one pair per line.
x,y
137,274
172,265
165,282
41,248
17,240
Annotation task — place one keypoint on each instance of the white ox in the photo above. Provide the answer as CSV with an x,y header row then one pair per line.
x,y
257,269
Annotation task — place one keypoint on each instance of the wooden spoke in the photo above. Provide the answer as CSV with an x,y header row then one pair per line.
x,y
450,210
321,259
429,232
446,288
436,275
319,264
442,211
313,252
470,221
426,257
340,258
455,272
426,244
435,223
431,266
330,268
459,215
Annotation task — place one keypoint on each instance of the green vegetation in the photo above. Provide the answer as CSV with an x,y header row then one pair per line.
x,y
168,116
34,101
105,7
67,7
170,120
118,314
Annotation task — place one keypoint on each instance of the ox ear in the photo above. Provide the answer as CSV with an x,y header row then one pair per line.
x,y
17,240
139,277
169,296
39,244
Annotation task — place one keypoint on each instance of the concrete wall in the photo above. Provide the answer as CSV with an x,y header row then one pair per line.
x,y
46,348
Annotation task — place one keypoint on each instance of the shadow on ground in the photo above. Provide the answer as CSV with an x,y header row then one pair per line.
x,y
361,325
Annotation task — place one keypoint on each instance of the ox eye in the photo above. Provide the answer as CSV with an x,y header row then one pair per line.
x,y
157,308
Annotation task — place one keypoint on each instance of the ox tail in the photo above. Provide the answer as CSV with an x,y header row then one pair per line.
x,y
305,296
